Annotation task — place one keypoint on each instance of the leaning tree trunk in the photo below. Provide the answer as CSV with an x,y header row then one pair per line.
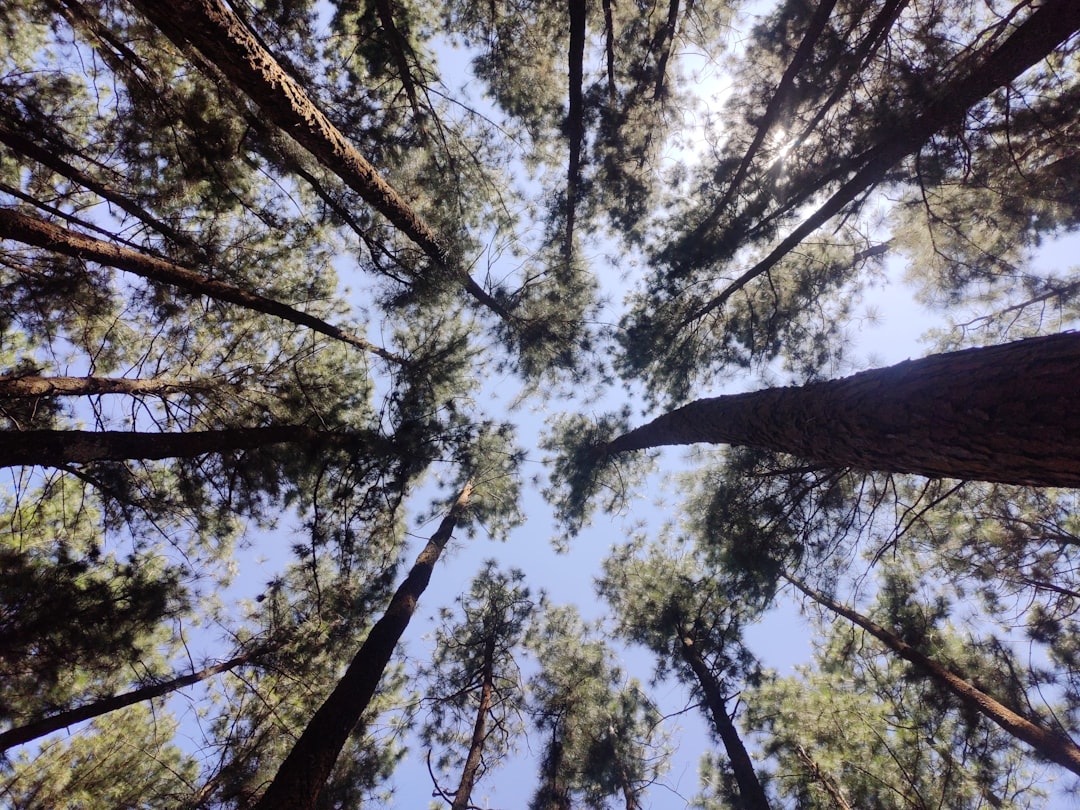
x,y
479,735
39,233
1003,413
750,790
47,725
1049,745
301,777
213,29
31,386
56,448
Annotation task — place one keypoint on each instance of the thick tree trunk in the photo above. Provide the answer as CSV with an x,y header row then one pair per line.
x,y
1003,413
57,448
29,386
750,790
479,734
47,725
1047,744
212,28
305,770
1051,24
39,233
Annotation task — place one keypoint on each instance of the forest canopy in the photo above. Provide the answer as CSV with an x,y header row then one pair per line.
x,y
305,304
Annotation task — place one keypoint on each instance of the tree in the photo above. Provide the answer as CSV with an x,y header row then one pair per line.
x,y
661,602
998,413
476,697
281,279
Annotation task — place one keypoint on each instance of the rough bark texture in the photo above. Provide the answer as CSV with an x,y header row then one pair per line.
x,y
750,790
57,448
30,231
29,386
1050,25
1003,413
302,775
476,744
39,728
1047,744
212,28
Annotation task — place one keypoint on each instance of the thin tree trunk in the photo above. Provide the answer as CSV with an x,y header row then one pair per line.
x,y
305,770
56,448
665,41
212,28
398,50
1002,413
609,47
575,119
47,725
1049,745
771,117
1051,24
479,735
30,386
750,790
823,779
39,233
553,793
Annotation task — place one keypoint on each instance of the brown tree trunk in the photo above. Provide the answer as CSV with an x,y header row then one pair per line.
x,y
47,725
664,42
29,386
1003,413
1047,27
1049,745
212,28
575,118
750,790
39,233
479,735
56,448
305,770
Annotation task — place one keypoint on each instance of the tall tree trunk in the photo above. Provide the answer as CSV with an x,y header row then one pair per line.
x,y
575,118
47,725
750,790
39,233
1049,745
1051,24
214,30
479,735
664,41
305,770
56,448
553,793
30,386
1002,413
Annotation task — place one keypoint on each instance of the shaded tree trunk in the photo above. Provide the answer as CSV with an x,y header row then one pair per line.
x,y
47,725
29,386
553,793
479,735
1002,413
56,448
213,29
664,41
39,233
750,790
302,775
1049,745
575,118
1050,25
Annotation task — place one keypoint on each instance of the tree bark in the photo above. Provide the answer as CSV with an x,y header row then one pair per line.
x,y
1049,745
47,725
39,233
301,777
1002,413
30,386
664,41
214,30
750,790
57,448
575,118
1051,24
479,735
